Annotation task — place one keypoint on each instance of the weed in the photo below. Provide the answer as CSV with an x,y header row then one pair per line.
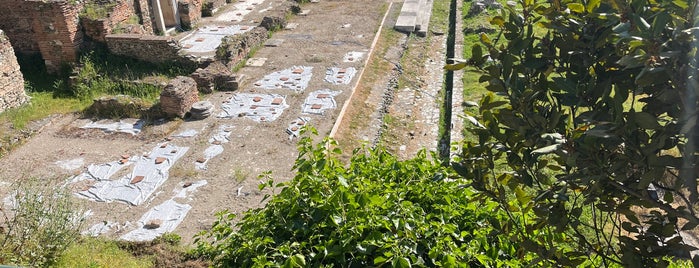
x,y
38,224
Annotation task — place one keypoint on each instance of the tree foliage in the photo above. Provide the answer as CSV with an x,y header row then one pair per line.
x,y
592,111
376,212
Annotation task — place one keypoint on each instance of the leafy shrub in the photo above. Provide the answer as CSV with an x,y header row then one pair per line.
x,y
38,224
377,211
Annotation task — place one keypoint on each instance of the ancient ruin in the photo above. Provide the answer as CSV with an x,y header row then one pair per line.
x,y
11,80
178,96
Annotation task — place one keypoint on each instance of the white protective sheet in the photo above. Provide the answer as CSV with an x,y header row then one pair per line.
x,y
295,78
239,10
129,125
154,175
221,136
340,76
258,107
353,56
319,101
294,128
170,213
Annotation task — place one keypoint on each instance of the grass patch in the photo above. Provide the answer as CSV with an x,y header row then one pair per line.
x,y
359,112
94,252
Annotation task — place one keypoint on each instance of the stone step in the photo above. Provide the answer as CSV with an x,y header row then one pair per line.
x,y
408,16
424,18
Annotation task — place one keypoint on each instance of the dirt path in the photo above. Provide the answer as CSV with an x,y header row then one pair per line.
x,y
323,37
330,30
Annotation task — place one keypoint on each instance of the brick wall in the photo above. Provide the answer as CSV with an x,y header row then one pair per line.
x,y
190,12
50,27
11,80
210,6
144,10
98,28
149,48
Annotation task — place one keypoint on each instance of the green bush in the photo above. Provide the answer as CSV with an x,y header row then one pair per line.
x,y
377,211
38,224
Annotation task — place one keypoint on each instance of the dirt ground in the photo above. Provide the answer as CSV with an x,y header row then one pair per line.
x,y
331,29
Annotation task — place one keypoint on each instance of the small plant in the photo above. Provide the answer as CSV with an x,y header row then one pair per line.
x,y
38,224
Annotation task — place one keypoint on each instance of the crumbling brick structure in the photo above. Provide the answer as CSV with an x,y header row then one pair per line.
x,y
49,27
11,81
178,96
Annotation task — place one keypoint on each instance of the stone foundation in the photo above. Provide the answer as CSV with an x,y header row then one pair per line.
x,y
216,76
178,96
11,80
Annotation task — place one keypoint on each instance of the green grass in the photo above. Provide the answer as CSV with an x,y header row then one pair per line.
x,y
93,252
42,105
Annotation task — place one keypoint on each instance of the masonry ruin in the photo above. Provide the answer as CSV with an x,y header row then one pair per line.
x,y
11,80
58,29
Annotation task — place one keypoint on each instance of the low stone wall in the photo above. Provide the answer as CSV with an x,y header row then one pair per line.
x,y
216,76
237,47
149,48
98,28
11,80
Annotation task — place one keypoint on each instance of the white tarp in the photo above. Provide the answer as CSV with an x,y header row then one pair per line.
x,y
186,134
353,56
258,107
215,148
208,38
71,164
294,128
146,168
319,101
239,10
130,125
102,172
295,78
338,76
169,214
185,191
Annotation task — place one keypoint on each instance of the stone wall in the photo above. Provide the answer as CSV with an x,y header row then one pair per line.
x,y
144,10
98,28
149,48
238,47
50,27
190,12
11,81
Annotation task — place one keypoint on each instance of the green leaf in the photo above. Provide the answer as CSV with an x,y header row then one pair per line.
x,y
298,260
681,3
485,39
547,150
380,260
592,4
576,7
401,262
646,121
477,55
498,20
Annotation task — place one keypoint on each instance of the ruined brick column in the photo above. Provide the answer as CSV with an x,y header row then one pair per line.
x,y
11,80
178,96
